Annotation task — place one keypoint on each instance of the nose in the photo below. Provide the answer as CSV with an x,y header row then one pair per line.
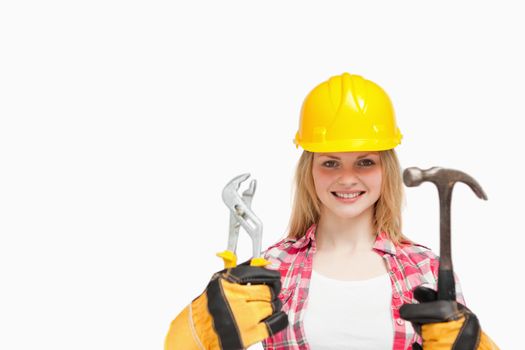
x,y
348,177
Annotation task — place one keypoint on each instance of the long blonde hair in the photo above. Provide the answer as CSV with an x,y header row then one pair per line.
x,y
306,207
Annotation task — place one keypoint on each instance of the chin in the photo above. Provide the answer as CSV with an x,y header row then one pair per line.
x,y
347,214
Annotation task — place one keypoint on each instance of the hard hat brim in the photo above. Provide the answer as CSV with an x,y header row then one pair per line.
x,y
350,145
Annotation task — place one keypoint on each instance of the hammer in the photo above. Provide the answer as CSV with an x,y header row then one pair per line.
x,y
444,179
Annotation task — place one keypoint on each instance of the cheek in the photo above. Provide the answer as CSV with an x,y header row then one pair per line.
x,y
372,178
321,179
375,180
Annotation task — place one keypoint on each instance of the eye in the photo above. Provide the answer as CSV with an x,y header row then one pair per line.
x,y
330,164
365,163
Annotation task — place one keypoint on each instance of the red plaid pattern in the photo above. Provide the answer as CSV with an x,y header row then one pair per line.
x,y
409,266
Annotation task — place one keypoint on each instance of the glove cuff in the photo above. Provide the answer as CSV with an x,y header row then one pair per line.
x,y
486,343
202,323
181,334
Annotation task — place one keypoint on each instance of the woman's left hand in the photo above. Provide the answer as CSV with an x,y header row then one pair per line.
x,y
445,324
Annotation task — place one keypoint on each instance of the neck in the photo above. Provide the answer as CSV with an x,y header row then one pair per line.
x,y
345,235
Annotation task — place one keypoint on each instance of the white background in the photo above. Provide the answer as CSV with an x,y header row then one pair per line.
x,y
121,121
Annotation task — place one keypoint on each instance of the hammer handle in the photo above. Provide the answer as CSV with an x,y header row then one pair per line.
x,y
446,285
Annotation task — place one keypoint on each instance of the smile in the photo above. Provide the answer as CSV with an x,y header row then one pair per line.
x,y
348,195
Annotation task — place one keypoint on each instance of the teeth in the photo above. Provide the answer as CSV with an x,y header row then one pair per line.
x,y
347,195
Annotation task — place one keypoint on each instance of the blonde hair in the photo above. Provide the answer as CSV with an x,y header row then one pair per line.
x,y
387,210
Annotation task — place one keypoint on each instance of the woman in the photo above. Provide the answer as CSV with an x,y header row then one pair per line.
x,y
345,269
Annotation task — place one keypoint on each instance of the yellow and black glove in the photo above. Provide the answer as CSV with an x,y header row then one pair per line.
x,y
444,324
239,307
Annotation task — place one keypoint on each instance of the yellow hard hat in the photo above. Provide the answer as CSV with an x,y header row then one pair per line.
x,y
347,113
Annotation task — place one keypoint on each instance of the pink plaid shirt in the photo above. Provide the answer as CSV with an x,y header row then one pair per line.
x,y
409,265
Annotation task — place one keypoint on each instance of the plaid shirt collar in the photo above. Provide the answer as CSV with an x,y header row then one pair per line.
x,y
382,242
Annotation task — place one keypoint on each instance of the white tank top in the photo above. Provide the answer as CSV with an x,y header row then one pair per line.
x,y
349,314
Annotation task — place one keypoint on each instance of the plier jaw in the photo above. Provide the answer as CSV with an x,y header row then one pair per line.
x,y
241,214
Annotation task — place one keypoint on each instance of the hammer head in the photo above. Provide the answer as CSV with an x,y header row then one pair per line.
x,y
443,179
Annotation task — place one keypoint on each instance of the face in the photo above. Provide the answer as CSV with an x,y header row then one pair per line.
x,y
347,183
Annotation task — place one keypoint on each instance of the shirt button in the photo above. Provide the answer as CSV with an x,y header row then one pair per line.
x,y
396,295
400,322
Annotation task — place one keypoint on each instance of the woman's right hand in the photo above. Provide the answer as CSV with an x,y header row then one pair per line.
x,y
239,307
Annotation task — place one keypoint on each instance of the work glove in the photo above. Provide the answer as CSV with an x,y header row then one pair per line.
x,y
239,307
444,324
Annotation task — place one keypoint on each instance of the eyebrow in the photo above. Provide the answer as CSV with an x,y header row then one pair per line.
x,y
360,157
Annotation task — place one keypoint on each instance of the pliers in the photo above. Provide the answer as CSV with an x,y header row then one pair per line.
x,y
242,215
